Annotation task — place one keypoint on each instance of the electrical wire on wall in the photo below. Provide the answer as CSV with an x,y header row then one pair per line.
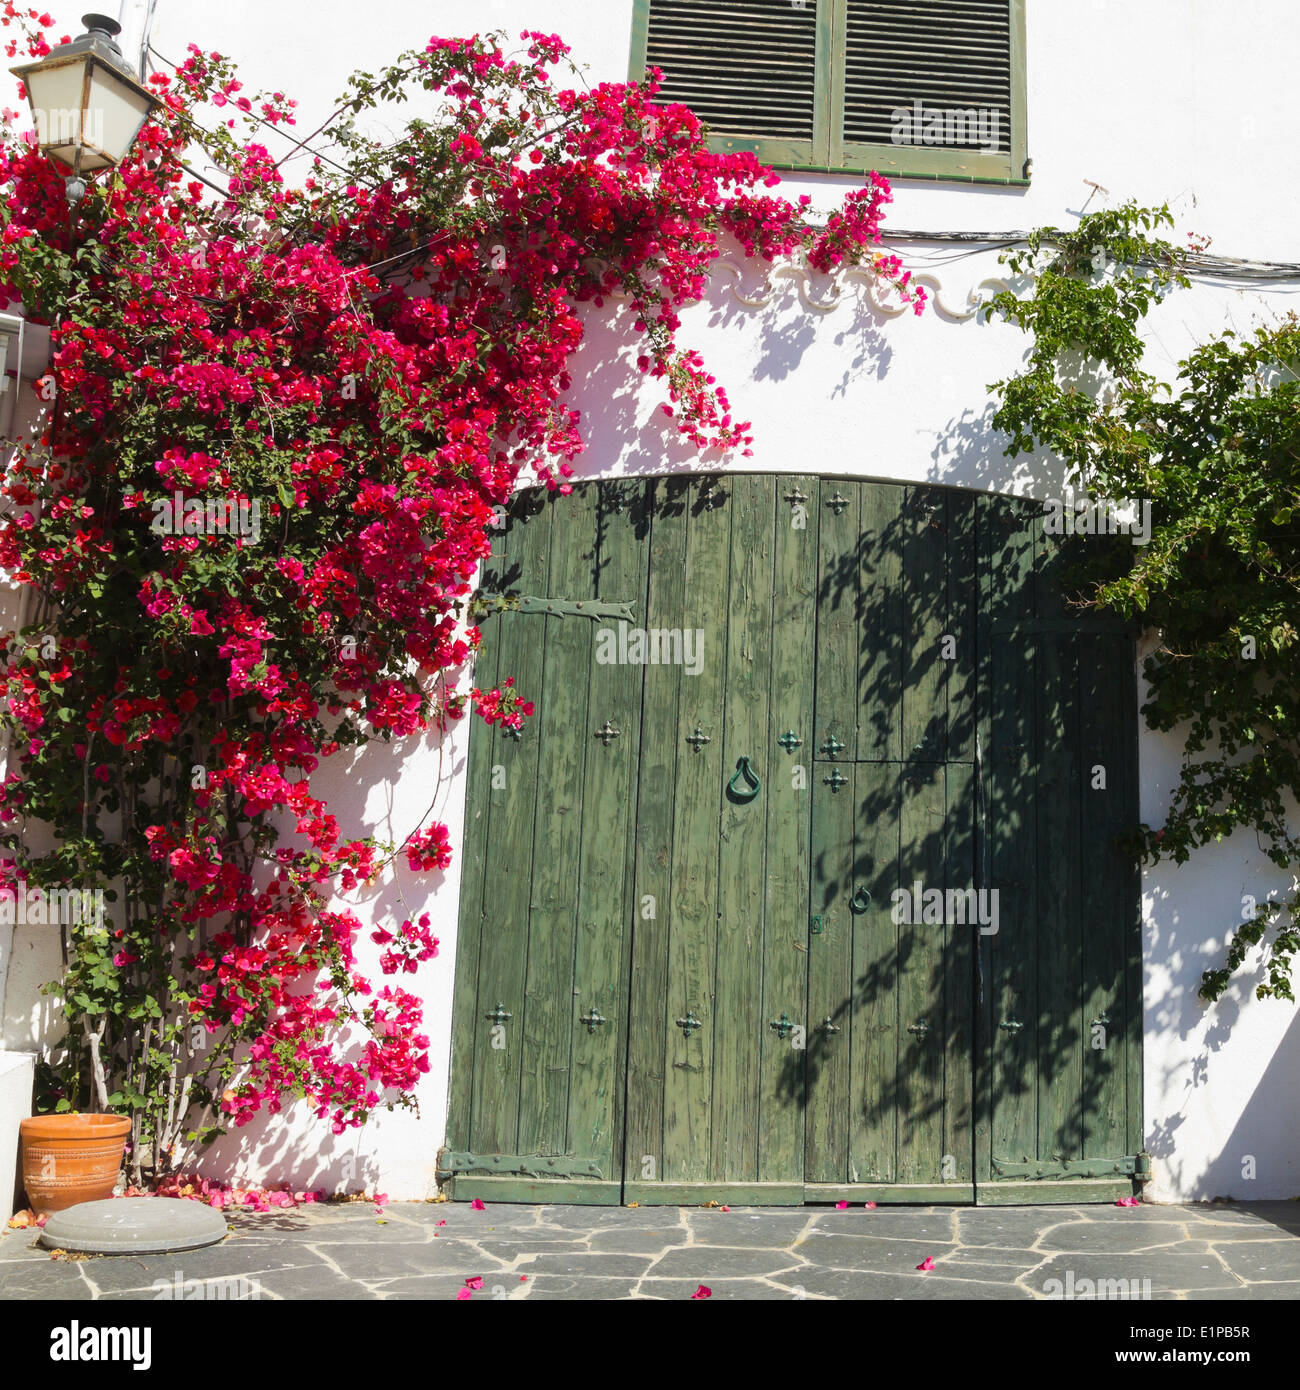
x,y
1198,264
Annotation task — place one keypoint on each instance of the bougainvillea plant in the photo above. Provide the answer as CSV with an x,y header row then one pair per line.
x,y
363,366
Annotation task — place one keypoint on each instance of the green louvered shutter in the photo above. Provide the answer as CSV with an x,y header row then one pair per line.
x,y
755,72
930,87
924,88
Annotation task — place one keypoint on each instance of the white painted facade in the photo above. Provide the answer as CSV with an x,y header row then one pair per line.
x,y
1187,101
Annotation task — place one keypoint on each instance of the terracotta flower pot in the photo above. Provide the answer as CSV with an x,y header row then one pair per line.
x,y
68,1159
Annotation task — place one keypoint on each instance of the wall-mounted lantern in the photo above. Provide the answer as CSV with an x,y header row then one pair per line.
x,y
87,102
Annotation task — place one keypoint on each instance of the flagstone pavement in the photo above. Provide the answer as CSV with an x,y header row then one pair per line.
x,y
430,1250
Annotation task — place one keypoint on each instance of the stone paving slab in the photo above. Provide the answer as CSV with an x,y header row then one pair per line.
x,y
634,1242
552,1288
1169,1270
746,1228
1265,1259
428,1251
995,1255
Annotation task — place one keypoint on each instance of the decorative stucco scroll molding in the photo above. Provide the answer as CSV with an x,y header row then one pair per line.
x,y
838,289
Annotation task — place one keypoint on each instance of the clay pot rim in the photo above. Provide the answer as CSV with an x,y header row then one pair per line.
x,y
70,1126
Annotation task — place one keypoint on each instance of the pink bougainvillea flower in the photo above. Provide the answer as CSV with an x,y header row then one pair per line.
x,y
703,1292
477,1205
870,1206
441,1223
724,1208
474,1282
926,1264
1129,1202
462,1295
841,1206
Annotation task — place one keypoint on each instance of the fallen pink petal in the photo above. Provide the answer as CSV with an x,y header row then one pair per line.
x,y
703,1292
926,1264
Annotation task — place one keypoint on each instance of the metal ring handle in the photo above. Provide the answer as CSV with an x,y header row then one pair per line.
x,y
753,784
860,901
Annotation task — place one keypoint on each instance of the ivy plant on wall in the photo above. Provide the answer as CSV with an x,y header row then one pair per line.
x,y
1216,452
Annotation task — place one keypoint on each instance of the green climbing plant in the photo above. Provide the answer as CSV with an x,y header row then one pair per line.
x,y
1216,451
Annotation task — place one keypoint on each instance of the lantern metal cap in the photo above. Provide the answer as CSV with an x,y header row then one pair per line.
x,y
99,41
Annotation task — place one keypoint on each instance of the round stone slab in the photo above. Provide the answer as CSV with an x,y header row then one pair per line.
x,y
134,1226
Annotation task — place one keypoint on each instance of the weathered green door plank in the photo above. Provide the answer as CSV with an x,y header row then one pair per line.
x,y
1076,1192
474,862
1130,907
1104,674
925,594
923,1032
872,1028
649,1006
788,797
960,938
740,1034
697,799
709,1193
1059,878
465,1187
838,616
1009,1072
948,1194
962,604
830,976
880,641
564,730
604,880
512,813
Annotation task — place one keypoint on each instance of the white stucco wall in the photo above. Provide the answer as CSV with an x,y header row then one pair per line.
x,y
1159,100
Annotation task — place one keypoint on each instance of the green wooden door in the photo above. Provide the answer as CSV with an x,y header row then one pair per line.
x,y
539,1039
719,971
890,1110
1061,1010
702,884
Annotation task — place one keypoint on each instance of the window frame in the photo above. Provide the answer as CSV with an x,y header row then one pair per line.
x,y
827,152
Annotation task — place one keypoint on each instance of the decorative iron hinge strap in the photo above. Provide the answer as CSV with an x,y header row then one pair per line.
x,y
484,604
1127,1166
529,1165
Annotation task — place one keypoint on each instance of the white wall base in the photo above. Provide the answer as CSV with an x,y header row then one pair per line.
x,y
17,1070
